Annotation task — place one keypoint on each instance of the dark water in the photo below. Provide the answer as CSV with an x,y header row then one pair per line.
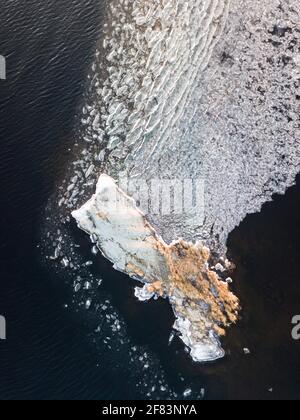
x,y
49,46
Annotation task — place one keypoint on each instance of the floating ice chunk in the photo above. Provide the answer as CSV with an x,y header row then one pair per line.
x,y
219,267
114,141
96,122
171,338
89,171
77,287
208,351
65,262
143,294
101,156
94,250
94,238
187,393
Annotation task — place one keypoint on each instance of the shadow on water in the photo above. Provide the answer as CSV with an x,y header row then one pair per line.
x,y
265,249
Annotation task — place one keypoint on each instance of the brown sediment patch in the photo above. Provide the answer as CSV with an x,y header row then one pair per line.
x,y
134,270
190,274
156,287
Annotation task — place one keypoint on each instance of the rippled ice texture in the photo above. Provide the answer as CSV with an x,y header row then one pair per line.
x,y
172,100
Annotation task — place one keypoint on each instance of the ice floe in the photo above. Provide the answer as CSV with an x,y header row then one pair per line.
x,y
203,304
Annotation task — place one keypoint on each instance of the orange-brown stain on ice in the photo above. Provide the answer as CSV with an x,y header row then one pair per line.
x,y
189,273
